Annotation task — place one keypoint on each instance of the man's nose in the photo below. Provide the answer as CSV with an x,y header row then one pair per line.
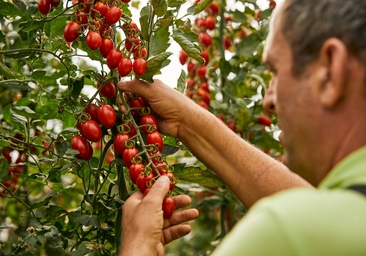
x,y
269,100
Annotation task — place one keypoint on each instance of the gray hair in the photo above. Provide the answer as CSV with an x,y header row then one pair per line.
x,y
307,24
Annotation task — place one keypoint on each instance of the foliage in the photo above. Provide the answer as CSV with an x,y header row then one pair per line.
x,y
56,203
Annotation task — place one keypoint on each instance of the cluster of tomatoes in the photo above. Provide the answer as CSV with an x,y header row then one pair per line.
x,y
15,168
99,21
140,144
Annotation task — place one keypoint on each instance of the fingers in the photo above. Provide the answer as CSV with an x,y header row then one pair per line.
x,y
175,232
179,217
158,191
182,201
134,86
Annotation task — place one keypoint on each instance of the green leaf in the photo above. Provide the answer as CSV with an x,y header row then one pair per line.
x,y
61,147
197,175
10,10
169,150
201,6
82,250
77,86
239,16
159,41
154,65
189,47
248,45
88,220
25,112
181,84
54,211
160,7
41,203
225,67
54,175
210,203
144,22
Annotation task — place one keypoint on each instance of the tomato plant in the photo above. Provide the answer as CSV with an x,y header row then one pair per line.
x,y
63,179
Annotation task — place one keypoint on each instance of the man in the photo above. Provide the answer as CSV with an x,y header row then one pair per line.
x,y
316,51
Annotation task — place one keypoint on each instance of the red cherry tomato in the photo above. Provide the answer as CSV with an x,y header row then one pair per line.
x,y
143,180
201,71
119,141
92,110
108,90
204,54
135,170
183,57
227,42
54,3
210,22
155,138
92,131
137,103
113,58
140,52
149,123
80,144
171,178
44,6
128,155
107,116
204,95
205,39
139,66
168,207
113,15
99,10
81,17
106,46
125,67
132,43
85,5
71,31
265,120
93,40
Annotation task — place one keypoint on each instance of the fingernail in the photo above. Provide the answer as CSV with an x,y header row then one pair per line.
x,y
163,179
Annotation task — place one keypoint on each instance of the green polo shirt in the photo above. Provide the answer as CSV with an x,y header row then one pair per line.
x,y
328,221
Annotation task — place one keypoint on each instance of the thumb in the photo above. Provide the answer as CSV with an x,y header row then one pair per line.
x,y
134,86
159,190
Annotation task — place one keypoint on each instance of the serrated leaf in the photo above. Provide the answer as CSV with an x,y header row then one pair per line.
x,y
160,7
154,65
189,47
181,83
144,21
159,41
197,175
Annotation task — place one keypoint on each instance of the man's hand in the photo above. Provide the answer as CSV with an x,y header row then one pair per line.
x,y
144,230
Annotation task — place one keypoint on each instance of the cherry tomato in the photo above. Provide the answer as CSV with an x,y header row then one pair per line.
x,y
93,40
44,6
85,5
113,15
92,110
214,8
6,153
92,131
243,33
113,59
96,25
126,1
125,67
80,144
107,116
201,71
203,104
148,123
168,207
183,57
204,54
140,52
108,90
137,103
54,3
210,22
204,86
143,180
265,120
71,31
139,66
119,141
232,125
135,170
90,151
99,10
106,46
130,28
272,4
227,42
171,178
128,155
155,138
81,17
205,39
191,67
204,95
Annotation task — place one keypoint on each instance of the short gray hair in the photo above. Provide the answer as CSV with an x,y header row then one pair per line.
x,y
307,24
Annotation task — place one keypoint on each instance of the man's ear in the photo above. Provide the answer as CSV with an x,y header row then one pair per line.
x,y
333,60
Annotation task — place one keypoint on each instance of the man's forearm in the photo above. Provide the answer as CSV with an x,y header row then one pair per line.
x,y
249,172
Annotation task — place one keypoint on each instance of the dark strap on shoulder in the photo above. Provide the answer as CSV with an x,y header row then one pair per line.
x,y
359,188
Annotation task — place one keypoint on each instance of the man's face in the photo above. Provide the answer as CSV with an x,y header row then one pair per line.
x,y
294,100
